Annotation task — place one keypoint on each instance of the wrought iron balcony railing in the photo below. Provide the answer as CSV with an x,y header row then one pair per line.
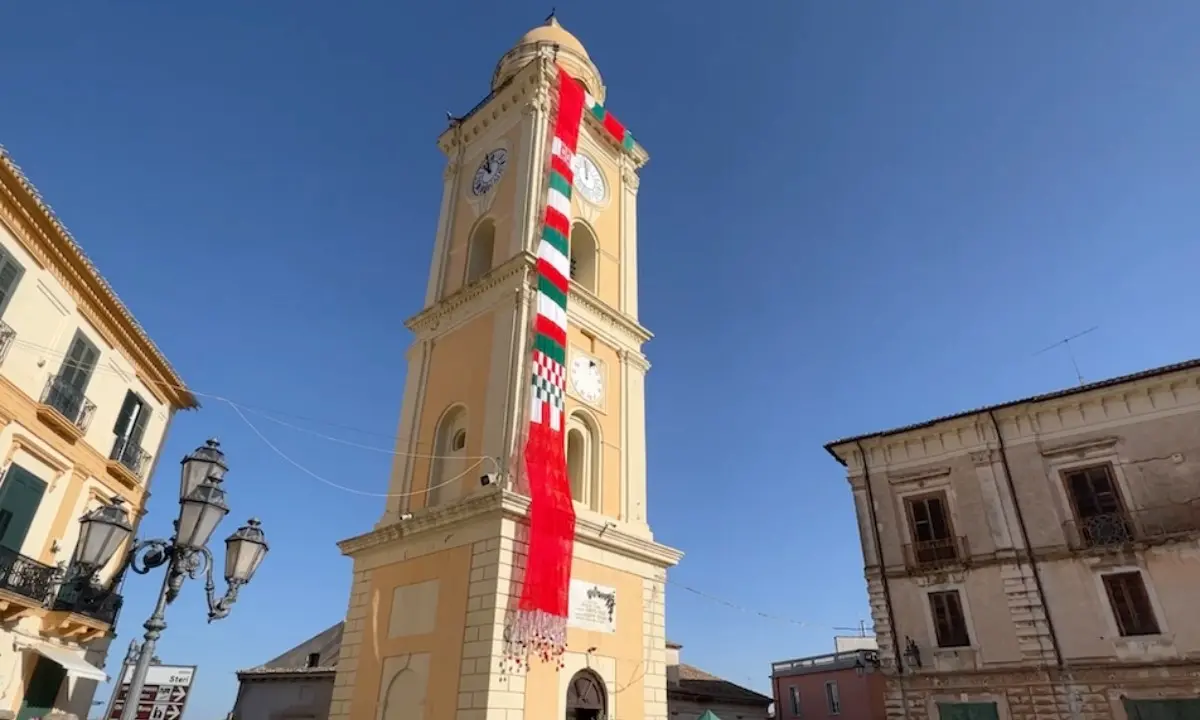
x,y
84,598
25,576
1154,524
935,554
131,455
7,337
68,400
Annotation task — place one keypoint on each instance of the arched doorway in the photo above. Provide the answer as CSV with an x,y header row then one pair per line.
x,y
586,699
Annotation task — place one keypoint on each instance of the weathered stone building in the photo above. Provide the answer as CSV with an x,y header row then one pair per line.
x,y
1039,558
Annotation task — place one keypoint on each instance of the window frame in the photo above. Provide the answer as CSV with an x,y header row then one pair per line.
x,y
934,553
1151,610
833,697
8,257
963,613
794,696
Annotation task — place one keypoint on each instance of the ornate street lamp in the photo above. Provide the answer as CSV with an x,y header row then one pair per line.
x,y
201,508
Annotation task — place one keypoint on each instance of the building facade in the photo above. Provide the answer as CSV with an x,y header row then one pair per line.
x,y
85,402
435,581
298,685
1039,558
840,685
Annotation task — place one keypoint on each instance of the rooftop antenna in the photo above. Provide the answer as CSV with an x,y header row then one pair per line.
x,y
861,629
1066,343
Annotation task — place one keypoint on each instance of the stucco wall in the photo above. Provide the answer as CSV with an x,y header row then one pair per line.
x,y
284,699
1146,430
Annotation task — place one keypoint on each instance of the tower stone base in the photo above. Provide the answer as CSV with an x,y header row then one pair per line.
x,y
433,594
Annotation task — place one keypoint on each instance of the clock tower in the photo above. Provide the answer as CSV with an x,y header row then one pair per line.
x,y
435,582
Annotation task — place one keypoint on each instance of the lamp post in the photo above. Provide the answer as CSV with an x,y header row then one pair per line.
x,y
186,555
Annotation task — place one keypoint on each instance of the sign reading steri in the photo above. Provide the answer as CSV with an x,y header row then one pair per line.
x,y
592,607
164,694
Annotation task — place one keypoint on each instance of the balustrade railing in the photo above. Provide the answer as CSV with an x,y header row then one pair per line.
x,y
1152,524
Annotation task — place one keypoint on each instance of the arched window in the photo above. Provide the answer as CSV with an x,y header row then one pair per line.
x,y
480,250
586,696
583,460
584,257
449,450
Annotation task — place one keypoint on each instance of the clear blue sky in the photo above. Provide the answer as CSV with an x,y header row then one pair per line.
x,y
857,215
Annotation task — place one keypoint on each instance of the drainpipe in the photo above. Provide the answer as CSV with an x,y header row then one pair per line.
x,y
1033,565
887,589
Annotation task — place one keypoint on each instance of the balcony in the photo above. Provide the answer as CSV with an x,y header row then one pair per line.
x,y
65,408
25,583
7,337
89,601
128,462
1147,526
934,555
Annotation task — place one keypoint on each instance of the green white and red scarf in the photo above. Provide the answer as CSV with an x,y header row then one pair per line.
x,y
540,625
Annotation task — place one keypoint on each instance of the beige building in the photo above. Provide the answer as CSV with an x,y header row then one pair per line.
x,y
435,580
1040,558
298,685
85,403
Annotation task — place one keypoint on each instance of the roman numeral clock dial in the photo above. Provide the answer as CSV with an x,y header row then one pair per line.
x,y
489,171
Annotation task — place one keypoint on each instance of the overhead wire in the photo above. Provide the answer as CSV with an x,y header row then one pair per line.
x,y
241,409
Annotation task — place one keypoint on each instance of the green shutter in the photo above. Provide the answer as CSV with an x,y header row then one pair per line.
x,y
20,494
968,711
1187,709
10,275
79,363
127,410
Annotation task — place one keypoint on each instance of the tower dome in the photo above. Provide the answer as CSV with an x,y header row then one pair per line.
x,y
570,54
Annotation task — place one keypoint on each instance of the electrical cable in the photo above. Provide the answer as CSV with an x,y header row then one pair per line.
x,y
240,410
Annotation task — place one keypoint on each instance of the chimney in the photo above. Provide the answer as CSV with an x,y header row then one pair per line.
x,y
673,663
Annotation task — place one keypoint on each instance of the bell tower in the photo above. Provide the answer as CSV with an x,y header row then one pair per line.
x,y
435,582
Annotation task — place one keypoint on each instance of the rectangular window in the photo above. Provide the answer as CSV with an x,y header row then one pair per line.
x,y
931,529
949,622
129,430
1130,604
10,275
66,390
795,693
1096,501
832,699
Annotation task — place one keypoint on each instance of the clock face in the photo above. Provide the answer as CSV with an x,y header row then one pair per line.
x,y
588,178
489,171
587,379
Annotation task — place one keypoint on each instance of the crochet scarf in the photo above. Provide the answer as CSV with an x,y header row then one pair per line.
x,y
540,626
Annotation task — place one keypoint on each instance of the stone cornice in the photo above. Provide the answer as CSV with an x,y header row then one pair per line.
x,y
506,504
529,86
604,319
34,225
515,275
1052,421
919,475
480,295
1080,448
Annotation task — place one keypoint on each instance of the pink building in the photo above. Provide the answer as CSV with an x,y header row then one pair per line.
x,y
837,686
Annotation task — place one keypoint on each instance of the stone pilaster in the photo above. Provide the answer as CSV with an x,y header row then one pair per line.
x,y
879,616
1028,614
352,638
654,639
485,691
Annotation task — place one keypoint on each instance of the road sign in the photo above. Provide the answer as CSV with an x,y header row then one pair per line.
x,y
164,695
